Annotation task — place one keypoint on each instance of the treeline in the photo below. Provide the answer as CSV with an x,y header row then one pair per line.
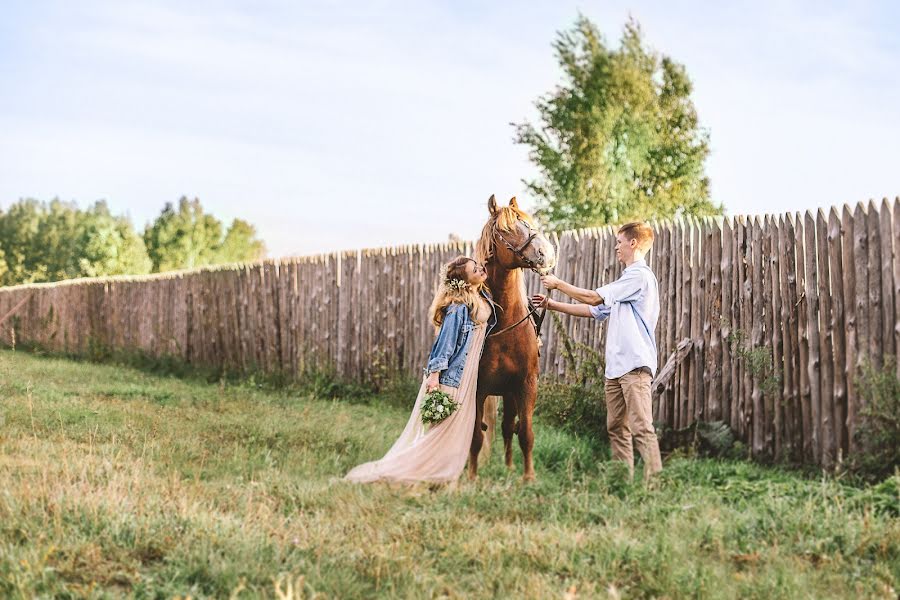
x,y
51,241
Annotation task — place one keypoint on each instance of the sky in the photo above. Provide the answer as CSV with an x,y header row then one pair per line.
x,y
342,125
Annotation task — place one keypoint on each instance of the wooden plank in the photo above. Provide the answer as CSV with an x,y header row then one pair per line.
x,y
826,324
803,337
714,322
838,335
697,321
694,366
896,245
746,396
737,376
874,268
888,259
788,336
661,381
772,309
684,323
848,267
757,412
663,262
705,261
812,316
727,269
860,267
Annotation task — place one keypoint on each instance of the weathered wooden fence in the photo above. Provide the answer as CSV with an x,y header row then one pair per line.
x,y
781,313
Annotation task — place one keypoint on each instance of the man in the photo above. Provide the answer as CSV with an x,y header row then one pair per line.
x,y
631,304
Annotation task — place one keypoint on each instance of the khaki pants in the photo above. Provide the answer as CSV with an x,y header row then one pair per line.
x,y
629,415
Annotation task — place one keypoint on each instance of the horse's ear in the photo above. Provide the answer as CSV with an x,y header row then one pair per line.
x,y
514,203
492,205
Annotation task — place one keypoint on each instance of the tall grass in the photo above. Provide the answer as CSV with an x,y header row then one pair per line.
x,y
116,482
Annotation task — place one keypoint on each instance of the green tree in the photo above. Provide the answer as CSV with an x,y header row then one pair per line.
x,y
241,244
52,241
619,140
186,237
110,245
18,230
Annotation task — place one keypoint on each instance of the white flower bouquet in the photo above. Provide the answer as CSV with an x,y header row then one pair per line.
x,y
437,406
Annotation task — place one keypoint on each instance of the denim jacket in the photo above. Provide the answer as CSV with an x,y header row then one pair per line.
x,y
448,355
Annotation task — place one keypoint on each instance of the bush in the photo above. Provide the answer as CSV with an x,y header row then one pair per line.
x,y
577,401
878,437
577,408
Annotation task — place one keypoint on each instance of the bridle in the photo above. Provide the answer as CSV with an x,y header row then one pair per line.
x,y
520,253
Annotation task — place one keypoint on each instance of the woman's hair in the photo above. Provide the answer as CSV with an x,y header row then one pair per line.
x,y
454,288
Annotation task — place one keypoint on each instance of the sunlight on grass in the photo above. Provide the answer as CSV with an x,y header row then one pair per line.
x,y
115,482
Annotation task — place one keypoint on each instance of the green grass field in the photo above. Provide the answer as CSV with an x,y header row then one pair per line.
x,y
115,482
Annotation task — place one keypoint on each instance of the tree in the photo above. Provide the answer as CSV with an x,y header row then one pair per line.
x,y
110,245
619,140
52,241
241,244
183,238
187,238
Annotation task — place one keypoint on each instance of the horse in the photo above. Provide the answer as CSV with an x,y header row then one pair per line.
x,y
509,243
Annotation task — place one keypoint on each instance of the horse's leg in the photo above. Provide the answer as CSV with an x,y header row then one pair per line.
x,y
510,410
477,435
525,402
489,418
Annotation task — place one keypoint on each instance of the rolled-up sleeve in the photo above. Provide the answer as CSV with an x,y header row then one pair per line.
x,y
626,288
600,312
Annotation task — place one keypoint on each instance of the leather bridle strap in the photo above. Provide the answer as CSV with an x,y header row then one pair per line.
x,y
520,251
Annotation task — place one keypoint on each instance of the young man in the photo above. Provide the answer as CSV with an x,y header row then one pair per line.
x,y
631,304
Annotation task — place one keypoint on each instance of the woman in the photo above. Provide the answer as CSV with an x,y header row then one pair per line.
x,y
462,312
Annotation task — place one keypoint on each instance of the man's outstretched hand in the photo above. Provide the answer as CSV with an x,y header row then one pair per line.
x,y
540,301
551,282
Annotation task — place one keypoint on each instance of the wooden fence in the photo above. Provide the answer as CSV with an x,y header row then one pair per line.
x,y
780,313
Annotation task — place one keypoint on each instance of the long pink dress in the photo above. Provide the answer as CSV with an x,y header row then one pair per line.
x,y
435,453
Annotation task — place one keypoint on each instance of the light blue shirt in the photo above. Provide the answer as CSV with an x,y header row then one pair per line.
x,y
631,303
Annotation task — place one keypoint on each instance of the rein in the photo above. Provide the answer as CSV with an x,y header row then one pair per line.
x,y
538,321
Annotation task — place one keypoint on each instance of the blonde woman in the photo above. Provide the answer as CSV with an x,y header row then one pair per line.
x,y
462,313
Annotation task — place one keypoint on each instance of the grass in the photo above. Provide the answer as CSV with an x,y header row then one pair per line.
x,y
115,482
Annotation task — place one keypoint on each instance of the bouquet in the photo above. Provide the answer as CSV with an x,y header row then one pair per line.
x,y
437,406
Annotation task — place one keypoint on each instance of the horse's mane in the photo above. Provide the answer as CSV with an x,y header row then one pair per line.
x,y
504,220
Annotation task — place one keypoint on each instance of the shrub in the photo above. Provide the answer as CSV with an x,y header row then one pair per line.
x,y
878,437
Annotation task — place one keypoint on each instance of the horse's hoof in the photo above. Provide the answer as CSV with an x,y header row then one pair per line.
x,y
528,478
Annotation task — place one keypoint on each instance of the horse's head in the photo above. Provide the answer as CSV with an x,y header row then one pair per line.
x,y
511,238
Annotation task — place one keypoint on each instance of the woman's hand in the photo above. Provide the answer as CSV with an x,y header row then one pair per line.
x,y
541,301
432,382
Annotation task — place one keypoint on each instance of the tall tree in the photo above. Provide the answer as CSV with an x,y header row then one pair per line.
x,y
619,140
187,237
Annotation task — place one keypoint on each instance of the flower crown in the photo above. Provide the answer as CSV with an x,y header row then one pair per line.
x,y
456,285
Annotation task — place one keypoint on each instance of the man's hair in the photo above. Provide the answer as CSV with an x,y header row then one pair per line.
x,y
641,232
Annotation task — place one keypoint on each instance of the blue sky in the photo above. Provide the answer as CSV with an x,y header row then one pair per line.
x,y
334,125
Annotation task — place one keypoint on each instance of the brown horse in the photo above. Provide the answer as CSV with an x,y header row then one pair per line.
x,y
509,365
